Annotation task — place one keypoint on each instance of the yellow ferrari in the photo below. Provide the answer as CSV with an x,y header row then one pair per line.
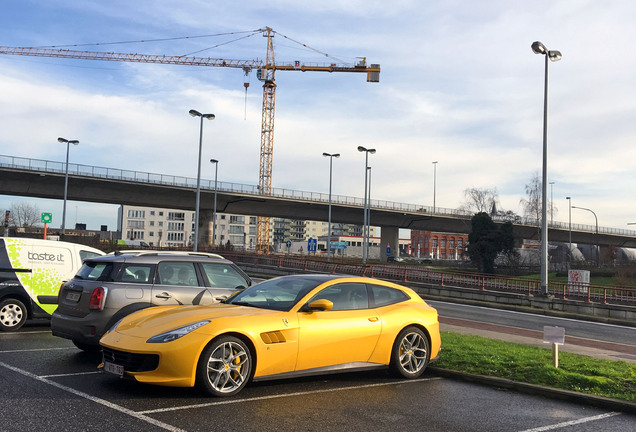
x,y
284,327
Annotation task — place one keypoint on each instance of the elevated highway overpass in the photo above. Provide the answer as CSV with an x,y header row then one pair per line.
x,y
45,179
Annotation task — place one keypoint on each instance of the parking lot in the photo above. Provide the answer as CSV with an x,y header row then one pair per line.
x,y
47,384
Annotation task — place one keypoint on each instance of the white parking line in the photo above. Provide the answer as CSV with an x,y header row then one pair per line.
x,y
26,332
103,402
572,423
71,374
35,349
233,401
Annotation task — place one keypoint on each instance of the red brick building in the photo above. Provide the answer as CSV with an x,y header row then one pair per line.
x,y
437,245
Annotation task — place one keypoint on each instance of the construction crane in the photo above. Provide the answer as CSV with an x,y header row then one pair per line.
x,y
265,72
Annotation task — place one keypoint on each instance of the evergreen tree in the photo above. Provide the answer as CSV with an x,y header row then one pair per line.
x,y
486,241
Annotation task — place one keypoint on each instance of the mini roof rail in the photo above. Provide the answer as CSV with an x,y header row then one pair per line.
x,y
157,252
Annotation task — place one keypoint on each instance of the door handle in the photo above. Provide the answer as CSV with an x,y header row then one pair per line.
x,y
163,295
374,319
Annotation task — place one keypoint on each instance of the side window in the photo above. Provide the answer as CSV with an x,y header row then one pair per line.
x,y
177,273
383,296
95,271
345,296
223,276
135,273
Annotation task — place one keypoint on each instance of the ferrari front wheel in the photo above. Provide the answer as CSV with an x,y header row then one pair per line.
x,y
225,366
410,353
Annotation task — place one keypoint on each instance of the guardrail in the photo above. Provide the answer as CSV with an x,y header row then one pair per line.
x,y
618,295
42,165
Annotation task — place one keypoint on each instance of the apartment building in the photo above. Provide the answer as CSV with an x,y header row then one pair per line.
x,y
160,227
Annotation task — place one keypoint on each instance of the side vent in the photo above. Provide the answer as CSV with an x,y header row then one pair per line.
x,y
273,337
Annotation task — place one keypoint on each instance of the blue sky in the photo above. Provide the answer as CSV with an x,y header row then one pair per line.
x,y
459,85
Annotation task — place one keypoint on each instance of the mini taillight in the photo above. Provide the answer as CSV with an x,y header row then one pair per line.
x,y
97,299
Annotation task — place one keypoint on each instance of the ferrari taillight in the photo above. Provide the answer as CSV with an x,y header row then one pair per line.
x,y
97,299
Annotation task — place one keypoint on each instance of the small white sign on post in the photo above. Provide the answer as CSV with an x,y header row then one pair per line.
x,y
555,336
578,281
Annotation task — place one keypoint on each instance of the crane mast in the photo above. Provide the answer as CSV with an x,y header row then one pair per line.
x,y
263,224
267,72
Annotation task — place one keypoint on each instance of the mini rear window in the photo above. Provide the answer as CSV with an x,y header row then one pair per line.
x,y
95,271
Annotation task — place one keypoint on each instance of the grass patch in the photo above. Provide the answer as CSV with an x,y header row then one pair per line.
x,y
530,364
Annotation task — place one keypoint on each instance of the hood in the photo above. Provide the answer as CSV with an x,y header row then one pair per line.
x,y
155,320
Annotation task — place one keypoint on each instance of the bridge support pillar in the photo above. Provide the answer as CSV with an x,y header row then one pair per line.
x,y
389,237
205,229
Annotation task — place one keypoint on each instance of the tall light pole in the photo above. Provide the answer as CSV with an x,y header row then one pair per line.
x,y
366,204
551,203
216,171
598,260
570,225
552,55
369,215
434,183
195,113
330,156
68,144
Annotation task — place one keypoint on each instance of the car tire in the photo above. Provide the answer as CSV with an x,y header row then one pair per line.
x,y
411,353
13,314
225,366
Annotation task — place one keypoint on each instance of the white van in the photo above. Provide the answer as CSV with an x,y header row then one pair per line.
x,y
31,273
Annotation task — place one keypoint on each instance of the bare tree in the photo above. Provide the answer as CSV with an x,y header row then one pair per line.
x,y
24,214
480,200
532,204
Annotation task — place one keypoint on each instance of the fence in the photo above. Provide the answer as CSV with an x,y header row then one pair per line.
x,y
618,295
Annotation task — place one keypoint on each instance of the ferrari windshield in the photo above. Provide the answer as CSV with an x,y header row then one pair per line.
x,y
278,294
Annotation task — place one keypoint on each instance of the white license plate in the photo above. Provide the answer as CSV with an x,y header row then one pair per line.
x,y
73,296
114,369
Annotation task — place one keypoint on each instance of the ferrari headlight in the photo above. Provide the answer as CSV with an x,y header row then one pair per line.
x,y
176,333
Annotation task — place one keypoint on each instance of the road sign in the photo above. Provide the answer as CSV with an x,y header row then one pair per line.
x,y
312,245
338,245
47,217
388,249
288,244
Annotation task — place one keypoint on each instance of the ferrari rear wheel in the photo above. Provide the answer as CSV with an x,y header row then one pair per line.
x,y
410,354
225,366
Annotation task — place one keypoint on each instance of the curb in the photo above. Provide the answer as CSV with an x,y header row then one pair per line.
x,y
534,389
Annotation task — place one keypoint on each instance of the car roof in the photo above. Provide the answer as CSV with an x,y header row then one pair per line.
x,y
152,256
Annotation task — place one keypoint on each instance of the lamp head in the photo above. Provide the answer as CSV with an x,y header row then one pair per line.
x,y
554,55
194,113
538,48
214,161
361,149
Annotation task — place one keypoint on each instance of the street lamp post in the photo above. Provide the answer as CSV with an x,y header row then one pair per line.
x,y
368,215
330,156
216,171
195,113
364,227
598,260
552,55
570,233
68,144
434,183
551,203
